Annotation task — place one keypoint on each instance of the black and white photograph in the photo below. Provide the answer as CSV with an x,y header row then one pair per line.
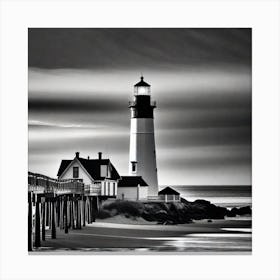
x,y
140,140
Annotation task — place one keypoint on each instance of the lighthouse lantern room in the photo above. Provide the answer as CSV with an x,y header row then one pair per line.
x,y
142,156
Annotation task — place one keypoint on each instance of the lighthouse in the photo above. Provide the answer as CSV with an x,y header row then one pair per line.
x,y
142,154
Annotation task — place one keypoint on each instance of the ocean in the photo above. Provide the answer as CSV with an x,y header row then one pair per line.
x,y
226,196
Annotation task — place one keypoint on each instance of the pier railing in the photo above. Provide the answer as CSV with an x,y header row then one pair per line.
x,y
39,183
92,189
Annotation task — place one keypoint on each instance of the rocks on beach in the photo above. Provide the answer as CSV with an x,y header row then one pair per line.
x,y
246,210
169,213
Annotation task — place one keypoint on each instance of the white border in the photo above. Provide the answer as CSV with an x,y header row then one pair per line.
x,y
262,16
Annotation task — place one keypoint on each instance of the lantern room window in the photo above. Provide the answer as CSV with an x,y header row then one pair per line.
x,y
142,88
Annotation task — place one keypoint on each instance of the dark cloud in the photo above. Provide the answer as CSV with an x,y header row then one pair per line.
x,y
130,47
76,105
213,100
204,137
178,113
215,162
187,119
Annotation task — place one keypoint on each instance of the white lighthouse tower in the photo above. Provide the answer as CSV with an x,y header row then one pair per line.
x,y
142,156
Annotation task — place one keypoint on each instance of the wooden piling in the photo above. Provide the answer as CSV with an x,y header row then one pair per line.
x,y
84,211
79,214
30,218
37,222
65,214
93,211
57,212
43,208
61,222
71,214
53,222
50,213
76,213
74,203
87,210
68,212
47,214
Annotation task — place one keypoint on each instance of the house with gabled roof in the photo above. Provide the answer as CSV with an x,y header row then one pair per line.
x,y
99,176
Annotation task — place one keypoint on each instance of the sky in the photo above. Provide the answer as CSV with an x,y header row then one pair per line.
x,y
80,82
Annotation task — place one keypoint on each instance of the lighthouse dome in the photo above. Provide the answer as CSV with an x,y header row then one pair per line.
x,y
142,83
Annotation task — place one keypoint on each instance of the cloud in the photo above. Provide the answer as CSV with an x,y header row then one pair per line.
x,y
200,137
126,47
74,105
33,124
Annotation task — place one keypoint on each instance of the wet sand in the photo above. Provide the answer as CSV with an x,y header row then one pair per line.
x,y
200,236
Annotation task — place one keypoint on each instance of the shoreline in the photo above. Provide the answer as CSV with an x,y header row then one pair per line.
x,y
120,238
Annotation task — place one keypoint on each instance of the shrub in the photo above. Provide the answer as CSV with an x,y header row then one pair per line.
x,y
103,214
130,208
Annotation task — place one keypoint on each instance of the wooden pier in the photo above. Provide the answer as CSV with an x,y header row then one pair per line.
x,y
52,204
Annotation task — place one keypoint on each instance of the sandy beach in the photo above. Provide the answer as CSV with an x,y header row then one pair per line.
x,y
120,234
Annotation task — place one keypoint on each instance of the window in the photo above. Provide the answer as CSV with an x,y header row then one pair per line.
x,y
133,166
75,172
103,170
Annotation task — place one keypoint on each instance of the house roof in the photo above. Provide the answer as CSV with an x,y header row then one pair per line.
x,y
92,166
168,190
132,181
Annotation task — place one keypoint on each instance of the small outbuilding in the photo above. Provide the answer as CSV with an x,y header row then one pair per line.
x,y
132,188
169,195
